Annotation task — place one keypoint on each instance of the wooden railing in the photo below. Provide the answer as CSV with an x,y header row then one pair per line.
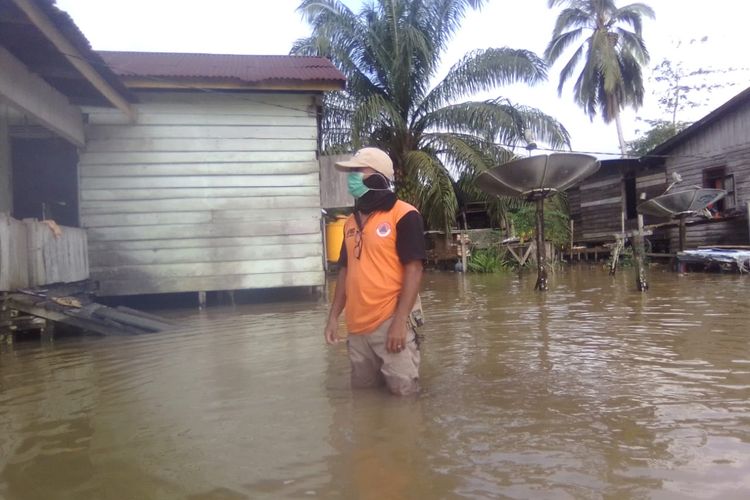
x,y
34,253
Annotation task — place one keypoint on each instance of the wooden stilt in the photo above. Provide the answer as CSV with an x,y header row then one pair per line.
x,y
541,258
48,331
639,255
619,244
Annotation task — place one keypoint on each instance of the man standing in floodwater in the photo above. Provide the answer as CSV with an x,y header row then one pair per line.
x,y
380,270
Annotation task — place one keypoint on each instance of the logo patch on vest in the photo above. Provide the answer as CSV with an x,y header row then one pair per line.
x,y
383,229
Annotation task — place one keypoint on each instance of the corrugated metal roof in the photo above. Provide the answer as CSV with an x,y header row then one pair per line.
x,y
252,69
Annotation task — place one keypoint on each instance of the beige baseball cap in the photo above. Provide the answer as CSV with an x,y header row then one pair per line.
x,y
374,158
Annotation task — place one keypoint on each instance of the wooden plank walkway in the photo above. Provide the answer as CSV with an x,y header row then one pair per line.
x,y
72,305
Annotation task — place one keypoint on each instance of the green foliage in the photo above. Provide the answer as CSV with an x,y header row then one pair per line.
x,y
556,221
659,132
390,52
487,260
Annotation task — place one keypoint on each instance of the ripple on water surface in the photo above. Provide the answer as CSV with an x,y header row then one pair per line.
x,y
588,390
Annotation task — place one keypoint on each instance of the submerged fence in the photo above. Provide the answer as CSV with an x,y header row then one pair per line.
x,y
34,253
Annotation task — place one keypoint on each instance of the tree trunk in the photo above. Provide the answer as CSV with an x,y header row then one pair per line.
x,y
620,137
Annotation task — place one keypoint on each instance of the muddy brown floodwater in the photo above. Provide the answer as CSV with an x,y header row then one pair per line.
x,y
591,390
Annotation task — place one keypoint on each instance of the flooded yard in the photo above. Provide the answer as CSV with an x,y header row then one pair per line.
x,y
591,390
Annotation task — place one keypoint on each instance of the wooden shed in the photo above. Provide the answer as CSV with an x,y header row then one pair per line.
x,y
216,184
714,152
605,203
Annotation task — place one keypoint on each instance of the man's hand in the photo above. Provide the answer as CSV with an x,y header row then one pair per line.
x,y
396,340
331,332
339,301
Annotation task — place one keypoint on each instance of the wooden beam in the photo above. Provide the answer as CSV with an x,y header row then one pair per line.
x,y
35,97
42,22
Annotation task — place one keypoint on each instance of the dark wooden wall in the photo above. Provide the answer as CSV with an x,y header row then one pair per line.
x,y
598,203
724,143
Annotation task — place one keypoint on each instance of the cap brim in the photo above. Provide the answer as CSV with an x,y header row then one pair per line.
x,y
346,165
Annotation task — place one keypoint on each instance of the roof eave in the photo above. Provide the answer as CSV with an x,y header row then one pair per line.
x,y
200,84
39,16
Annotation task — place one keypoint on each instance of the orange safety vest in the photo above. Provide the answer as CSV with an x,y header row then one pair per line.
x,y
374,280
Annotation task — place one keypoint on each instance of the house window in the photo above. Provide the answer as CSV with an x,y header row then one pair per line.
x,y
717,178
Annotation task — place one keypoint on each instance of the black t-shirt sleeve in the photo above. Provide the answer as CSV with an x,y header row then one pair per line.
x,y
343,258
410,243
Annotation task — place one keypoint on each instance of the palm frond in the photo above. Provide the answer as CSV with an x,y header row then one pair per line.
x,y
437,196
633,15
483,70
569,68
560,44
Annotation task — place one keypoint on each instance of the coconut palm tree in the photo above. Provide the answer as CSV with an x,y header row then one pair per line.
x,y
612,55
390,53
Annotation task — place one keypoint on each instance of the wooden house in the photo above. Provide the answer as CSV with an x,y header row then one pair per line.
x,y
189,172
714,152
216,184
604,204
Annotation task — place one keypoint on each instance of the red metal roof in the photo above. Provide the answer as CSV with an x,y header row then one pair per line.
x,y
251,69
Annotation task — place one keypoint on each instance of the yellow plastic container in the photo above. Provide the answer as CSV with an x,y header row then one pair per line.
x,y
334,238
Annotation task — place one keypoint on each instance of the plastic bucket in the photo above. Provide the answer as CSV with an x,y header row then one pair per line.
x,y
334,238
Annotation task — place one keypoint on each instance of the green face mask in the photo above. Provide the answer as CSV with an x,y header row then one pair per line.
x,y
355,182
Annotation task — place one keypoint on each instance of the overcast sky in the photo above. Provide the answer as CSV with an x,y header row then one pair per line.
x,y
270,27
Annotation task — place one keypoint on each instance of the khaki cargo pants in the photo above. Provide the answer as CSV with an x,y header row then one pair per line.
x,y
372,365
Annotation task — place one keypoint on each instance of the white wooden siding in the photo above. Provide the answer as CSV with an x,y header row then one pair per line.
x,y
31,255
204,192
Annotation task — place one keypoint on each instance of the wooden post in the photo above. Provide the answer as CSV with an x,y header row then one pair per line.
x,y
639,256
572,233
619,244
683,235
5,316
463,243
541,280
48,331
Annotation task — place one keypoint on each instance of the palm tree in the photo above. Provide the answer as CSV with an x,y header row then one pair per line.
x,y
390,53
612,55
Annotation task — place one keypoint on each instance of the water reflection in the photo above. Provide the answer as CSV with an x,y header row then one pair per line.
x,y
587,391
